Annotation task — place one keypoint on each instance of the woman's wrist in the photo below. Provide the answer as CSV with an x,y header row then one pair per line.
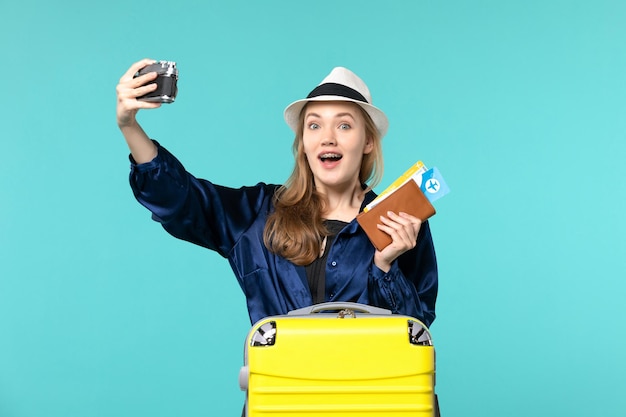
x,y
141,146
381,264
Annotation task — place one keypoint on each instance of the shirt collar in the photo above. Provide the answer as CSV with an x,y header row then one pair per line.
x,y
369,196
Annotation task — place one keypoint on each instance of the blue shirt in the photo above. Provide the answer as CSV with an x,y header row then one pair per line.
x,y
231,221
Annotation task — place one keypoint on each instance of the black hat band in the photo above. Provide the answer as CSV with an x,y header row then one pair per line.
x,y
334,89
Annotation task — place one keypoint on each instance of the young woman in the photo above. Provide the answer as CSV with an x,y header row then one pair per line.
x,y
295,244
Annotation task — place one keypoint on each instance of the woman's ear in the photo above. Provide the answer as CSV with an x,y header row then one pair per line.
x,y
369,145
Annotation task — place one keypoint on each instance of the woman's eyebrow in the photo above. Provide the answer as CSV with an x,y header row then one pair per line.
x,y
344,115
337,116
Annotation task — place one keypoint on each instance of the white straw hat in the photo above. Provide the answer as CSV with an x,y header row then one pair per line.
x,y
340,85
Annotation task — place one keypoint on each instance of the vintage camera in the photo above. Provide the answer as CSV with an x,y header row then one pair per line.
x,y
166,82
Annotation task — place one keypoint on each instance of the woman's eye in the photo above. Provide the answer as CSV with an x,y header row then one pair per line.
x,y
313,126
344,126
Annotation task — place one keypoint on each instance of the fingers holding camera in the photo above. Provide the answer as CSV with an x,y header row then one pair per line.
x,y
137,87
129,88
134,69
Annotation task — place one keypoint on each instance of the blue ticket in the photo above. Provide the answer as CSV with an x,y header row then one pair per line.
x,y
433,185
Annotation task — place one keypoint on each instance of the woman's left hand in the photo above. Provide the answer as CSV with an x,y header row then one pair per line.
x,y
403,229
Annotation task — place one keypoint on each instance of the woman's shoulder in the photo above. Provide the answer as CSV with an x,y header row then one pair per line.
x,y
260,187
259,193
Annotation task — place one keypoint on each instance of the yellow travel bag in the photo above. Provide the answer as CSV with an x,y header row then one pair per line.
x,y
339,359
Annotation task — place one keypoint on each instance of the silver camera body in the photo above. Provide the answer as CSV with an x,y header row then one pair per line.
x,y
166,81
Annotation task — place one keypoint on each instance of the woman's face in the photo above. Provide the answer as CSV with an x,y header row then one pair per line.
x,y
334,140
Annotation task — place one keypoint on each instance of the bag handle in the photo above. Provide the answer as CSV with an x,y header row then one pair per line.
x,y
339,305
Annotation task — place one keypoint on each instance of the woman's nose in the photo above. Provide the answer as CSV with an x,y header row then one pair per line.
x,y
329,138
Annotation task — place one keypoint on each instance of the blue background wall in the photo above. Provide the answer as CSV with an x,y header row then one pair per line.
x,y
521,104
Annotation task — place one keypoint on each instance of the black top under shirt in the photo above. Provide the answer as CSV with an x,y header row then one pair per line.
x,y
316,270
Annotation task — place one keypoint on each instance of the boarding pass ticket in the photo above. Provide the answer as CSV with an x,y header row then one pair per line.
x,y
430,182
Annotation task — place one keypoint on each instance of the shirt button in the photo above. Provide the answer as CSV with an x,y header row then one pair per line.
x,y
334,263
332,295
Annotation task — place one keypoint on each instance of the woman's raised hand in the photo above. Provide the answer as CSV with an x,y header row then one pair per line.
x,y
129,88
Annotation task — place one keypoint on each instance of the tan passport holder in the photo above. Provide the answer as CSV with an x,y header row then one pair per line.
x,y
407,198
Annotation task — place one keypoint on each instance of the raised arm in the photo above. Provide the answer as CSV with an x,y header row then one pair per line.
x,y
128,89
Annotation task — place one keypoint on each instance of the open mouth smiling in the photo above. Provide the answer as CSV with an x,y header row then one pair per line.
x,y
330,157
